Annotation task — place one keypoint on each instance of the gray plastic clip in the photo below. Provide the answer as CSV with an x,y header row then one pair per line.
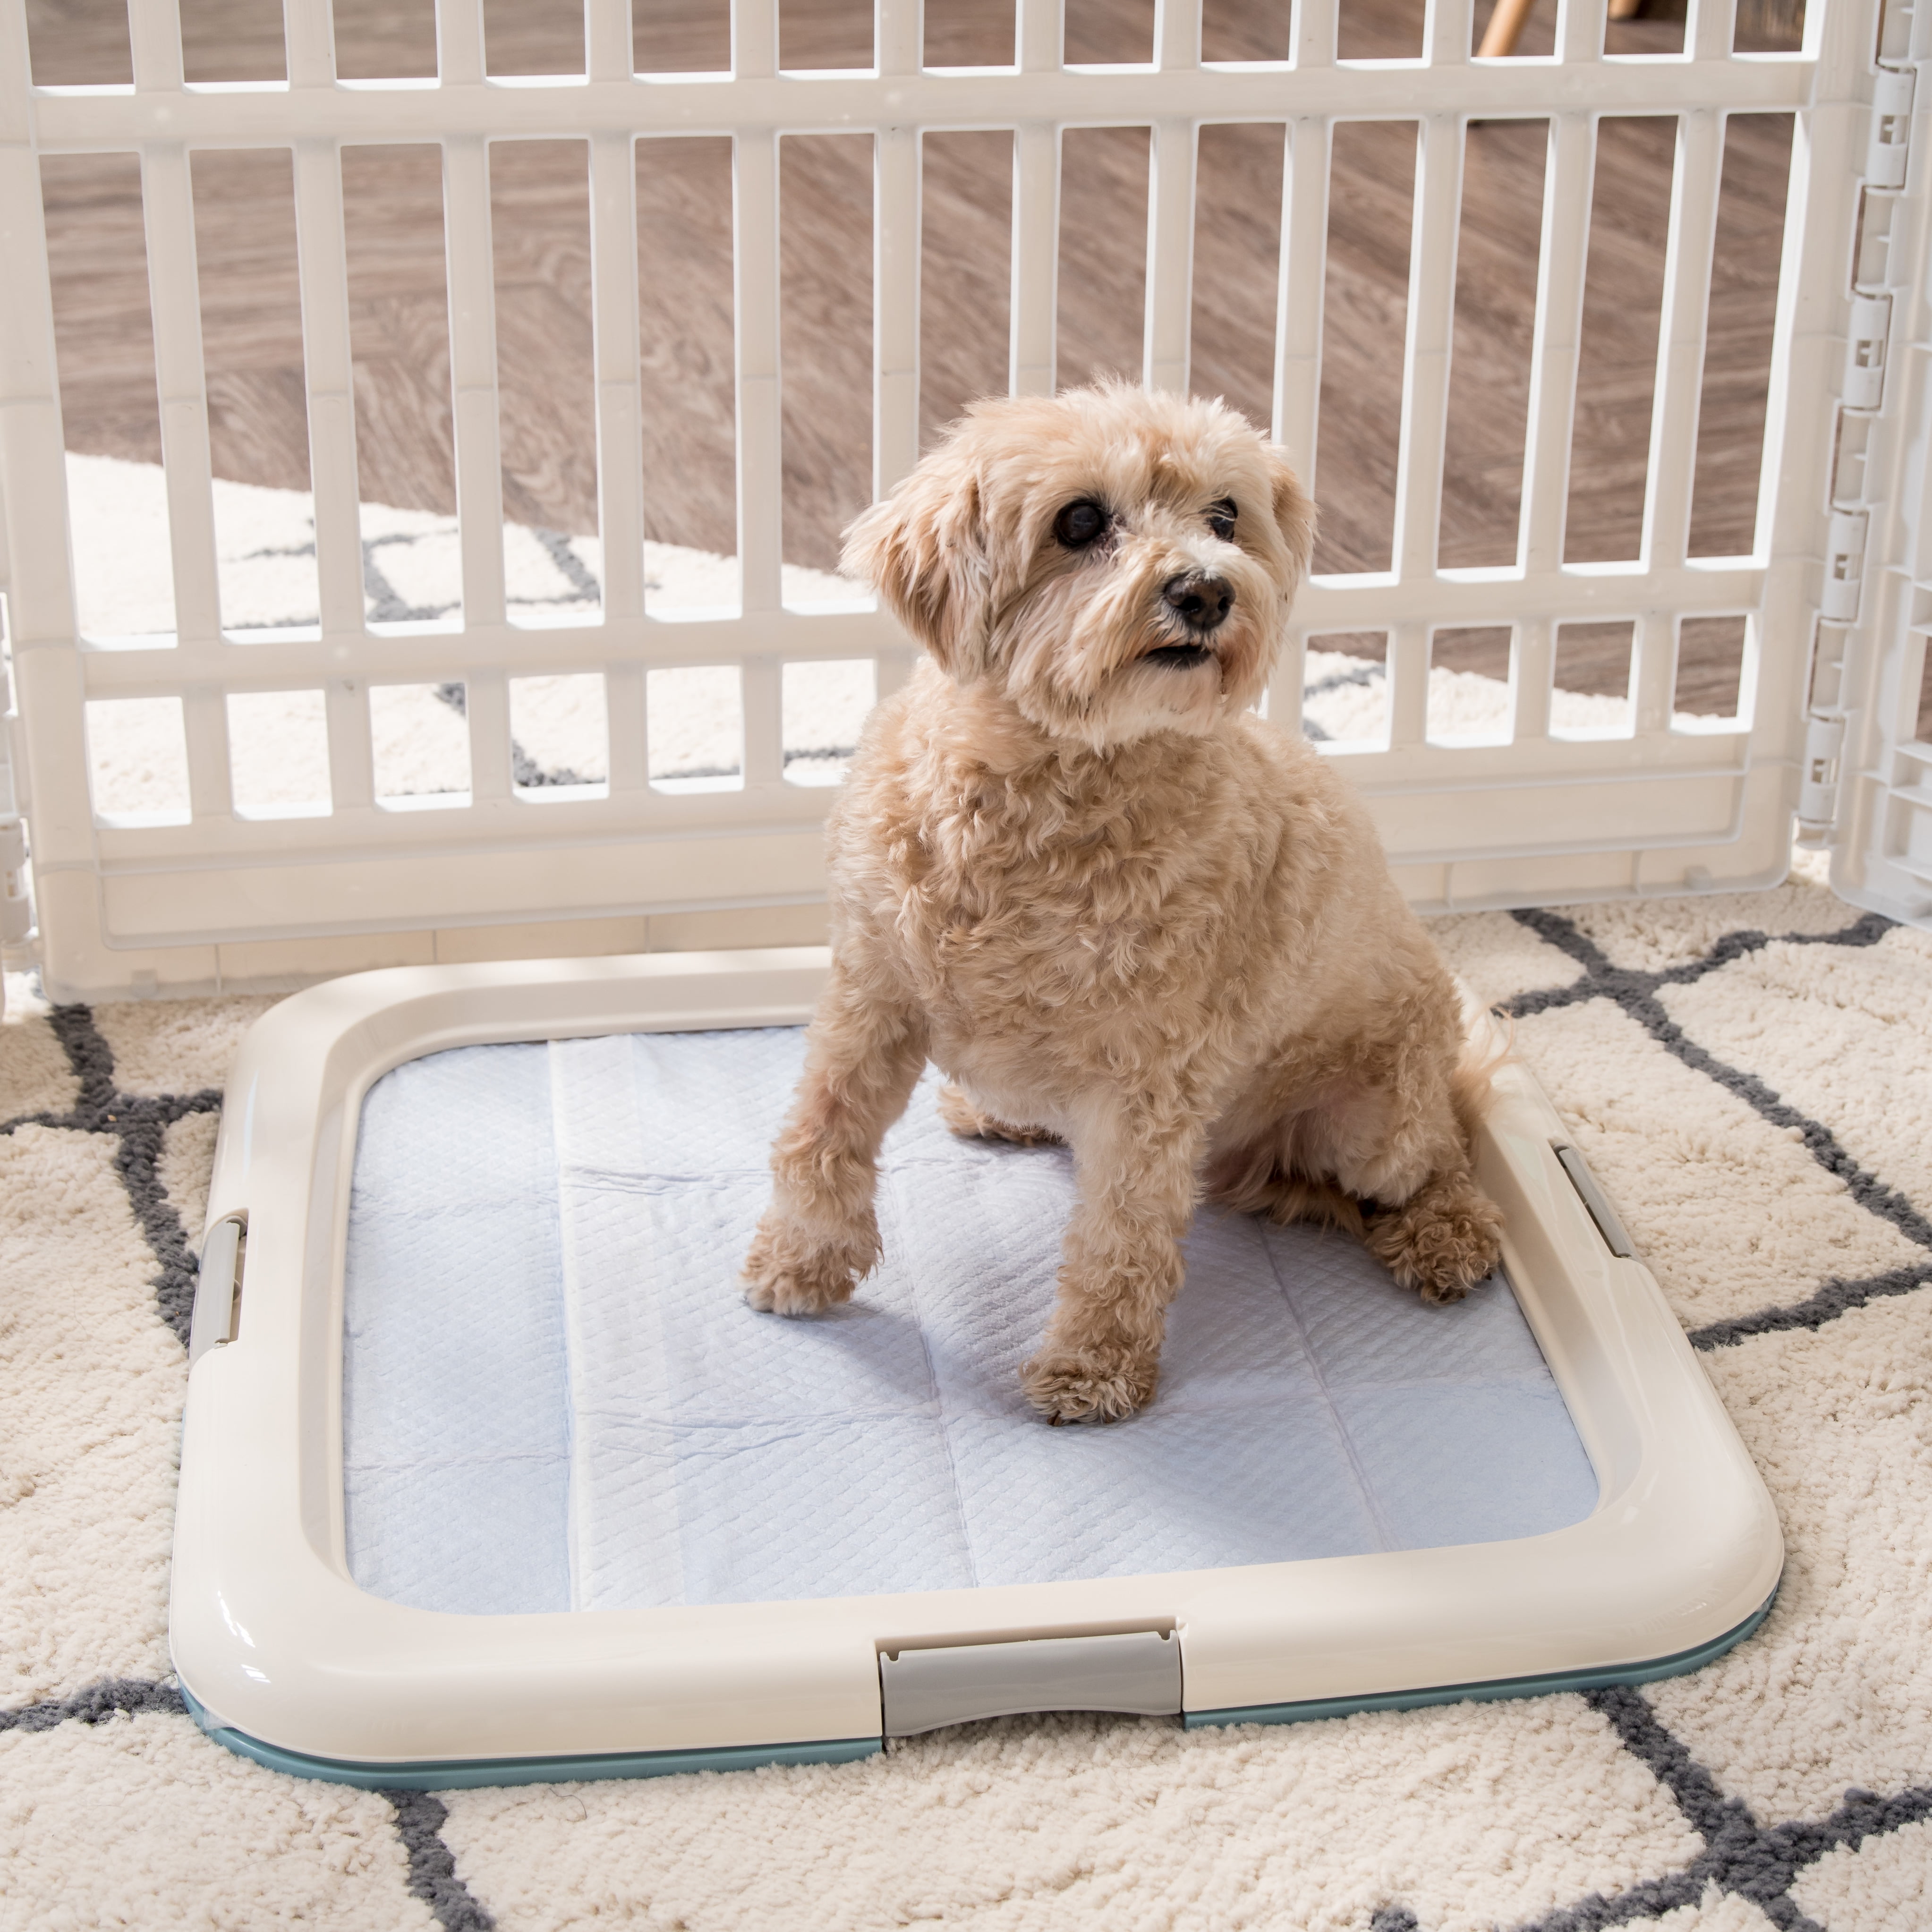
x,y
1134,1671
218,1286
1615,1237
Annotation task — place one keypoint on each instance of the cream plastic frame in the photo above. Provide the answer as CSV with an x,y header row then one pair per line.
x,y
285,1658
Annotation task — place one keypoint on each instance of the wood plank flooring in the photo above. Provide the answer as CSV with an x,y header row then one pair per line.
x,y
245,235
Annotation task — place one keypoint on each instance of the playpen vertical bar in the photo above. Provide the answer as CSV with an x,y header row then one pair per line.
x,y
1445,33
1680,377
154,46
459,42
1828,147
1035,304
1680,352
754,274
479,473
625,700
48,671
1570,175
322,255
1034,310
1712,29
1580,31
486,702
755,257
1040,35
1432,313
1315,33
613,312
322,244
1301,278
895,250
1807,230
204,735
1170,263
754,39
1656,672
607,39
1176,35
898,207
761,454
472,371
763,693
1408,684
608,56
896,203
898,36
1288,688
1532,663
1172,150
308,35
174,296
352,759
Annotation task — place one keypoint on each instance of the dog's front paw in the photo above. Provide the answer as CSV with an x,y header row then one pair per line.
x,y
785,1274
1101,1383
1442,1242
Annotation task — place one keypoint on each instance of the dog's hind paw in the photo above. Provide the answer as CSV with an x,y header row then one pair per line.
x,y
973,1123
1100,1385
1440,1242
783,1276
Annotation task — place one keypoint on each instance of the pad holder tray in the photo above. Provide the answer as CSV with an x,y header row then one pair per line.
x,y
488,1474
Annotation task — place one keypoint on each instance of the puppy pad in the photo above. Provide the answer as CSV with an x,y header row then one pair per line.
x,y
555,1397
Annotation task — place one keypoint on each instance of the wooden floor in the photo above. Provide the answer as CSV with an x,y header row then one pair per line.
x,y
245,244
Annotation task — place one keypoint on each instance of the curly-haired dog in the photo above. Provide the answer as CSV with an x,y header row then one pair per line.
x,y
1071,867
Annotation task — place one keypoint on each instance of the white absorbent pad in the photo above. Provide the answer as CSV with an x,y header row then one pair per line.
x,y
555,1398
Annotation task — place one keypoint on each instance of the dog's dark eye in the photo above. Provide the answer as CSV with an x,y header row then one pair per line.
x,y
1221,519
1079,523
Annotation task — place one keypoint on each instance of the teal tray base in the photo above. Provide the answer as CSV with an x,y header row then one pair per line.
x,y
1674,1666
462,1774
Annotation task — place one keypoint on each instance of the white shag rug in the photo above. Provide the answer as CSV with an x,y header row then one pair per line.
x,y
1751,1077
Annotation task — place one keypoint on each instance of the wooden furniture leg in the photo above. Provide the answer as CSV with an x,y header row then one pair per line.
x,y
1505,28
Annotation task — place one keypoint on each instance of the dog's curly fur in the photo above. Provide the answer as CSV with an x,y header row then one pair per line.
x,y
1117,909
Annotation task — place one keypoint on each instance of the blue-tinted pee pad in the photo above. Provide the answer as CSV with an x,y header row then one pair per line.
x,y
554,1397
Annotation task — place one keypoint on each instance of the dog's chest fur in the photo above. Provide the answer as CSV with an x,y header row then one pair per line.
x,y
1117,907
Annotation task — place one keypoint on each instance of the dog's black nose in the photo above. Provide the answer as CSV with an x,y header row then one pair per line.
x,y
1201,599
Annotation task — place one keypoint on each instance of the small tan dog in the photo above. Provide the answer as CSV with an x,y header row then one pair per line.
x,y
1071,868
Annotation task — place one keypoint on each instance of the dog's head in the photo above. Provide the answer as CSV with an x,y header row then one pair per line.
x,y
1117,562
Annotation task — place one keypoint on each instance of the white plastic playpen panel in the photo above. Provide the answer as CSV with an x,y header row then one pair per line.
x,y
219,898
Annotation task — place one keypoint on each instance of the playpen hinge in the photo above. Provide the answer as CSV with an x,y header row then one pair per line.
x,y
1818,776
1866,336
217,1289
1136,1672
17,906
1844,566
1889,143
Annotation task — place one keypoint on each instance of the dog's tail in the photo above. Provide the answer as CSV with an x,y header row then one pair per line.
x,y
1295,1198
1486,1049
1255,1183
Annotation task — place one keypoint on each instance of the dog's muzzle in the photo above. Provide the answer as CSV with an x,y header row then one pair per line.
x,y
1201,602
1199,599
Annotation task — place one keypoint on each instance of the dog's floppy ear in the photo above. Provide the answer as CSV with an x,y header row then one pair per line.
x,y
1293,510
924,547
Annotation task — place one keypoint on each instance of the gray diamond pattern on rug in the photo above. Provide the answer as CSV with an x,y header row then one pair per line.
x,y
1751,1076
